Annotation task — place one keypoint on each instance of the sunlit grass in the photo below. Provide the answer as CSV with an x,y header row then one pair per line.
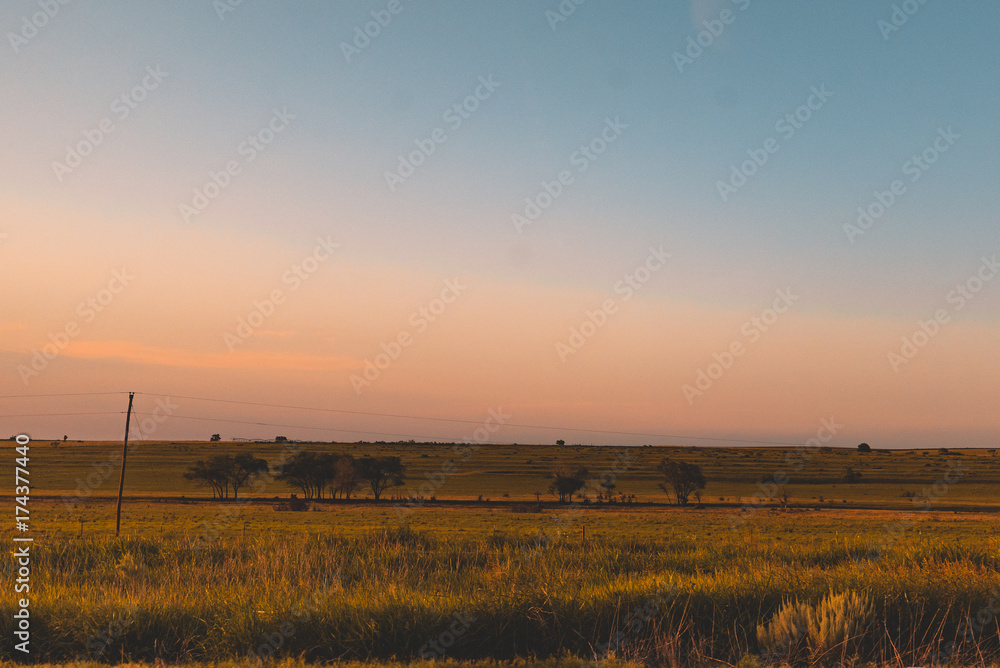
x,y
388,592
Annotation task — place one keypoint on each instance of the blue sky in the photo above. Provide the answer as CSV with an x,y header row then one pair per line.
x,y
656,184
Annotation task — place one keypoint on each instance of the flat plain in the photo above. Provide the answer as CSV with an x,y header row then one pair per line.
x,y
487,565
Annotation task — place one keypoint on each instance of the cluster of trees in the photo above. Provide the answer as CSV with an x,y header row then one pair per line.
x,y
226,472
567,480
342,474
315,474
329,475
683,479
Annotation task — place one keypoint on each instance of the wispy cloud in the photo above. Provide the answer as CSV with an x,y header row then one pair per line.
x,y
143,354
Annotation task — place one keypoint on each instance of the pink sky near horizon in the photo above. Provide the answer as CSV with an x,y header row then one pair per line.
x,y
494,346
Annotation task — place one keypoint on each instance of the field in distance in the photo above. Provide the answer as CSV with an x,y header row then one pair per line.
x,y
903,563
517,473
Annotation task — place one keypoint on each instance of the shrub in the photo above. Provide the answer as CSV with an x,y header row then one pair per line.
x,y
834,624
785,635
837,622
850,475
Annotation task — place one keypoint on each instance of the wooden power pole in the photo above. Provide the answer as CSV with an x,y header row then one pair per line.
x,y
121,483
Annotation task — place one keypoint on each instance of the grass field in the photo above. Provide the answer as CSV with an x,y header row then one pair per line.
x,y
155,469
196,579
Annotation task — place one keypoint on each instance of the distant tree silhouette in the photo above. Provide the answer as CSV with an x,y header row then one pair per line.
x,y
683,478
211,473
309,472
864,447
226,472
215,437
346,476
567,481
241,468
381,473
850,475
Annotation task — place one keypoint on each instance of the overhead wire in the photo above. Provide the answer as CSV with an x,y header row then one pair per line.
x,y
476,422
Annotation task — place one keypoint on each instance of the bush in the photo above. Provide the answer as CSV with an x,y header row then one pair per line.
x,y
832,627
864,447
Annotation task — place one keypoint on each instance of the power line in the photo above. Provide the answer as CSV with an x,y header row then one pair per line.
x,y
61,414
299,426
397,416
475,422
64,394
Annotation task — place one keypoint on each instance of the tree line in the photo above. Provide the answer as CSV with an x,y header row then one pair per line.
x,y
316,475
331,475
684,479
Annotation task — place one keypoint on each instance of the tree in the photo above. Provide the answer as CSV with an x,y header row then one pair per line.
x,y
683,478
381,473
864,447
850,475
225,472
783,497
567,481
560,442
216,437
295,472
64,438
241,468
346,476
310,472
281,439
210,473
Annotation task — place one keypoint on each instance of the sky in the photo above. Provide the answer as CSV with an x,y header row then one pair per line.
x,y
699,222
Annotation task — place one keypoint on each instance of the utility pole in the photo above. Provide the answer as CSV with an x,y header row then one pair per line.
x,y
121,483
